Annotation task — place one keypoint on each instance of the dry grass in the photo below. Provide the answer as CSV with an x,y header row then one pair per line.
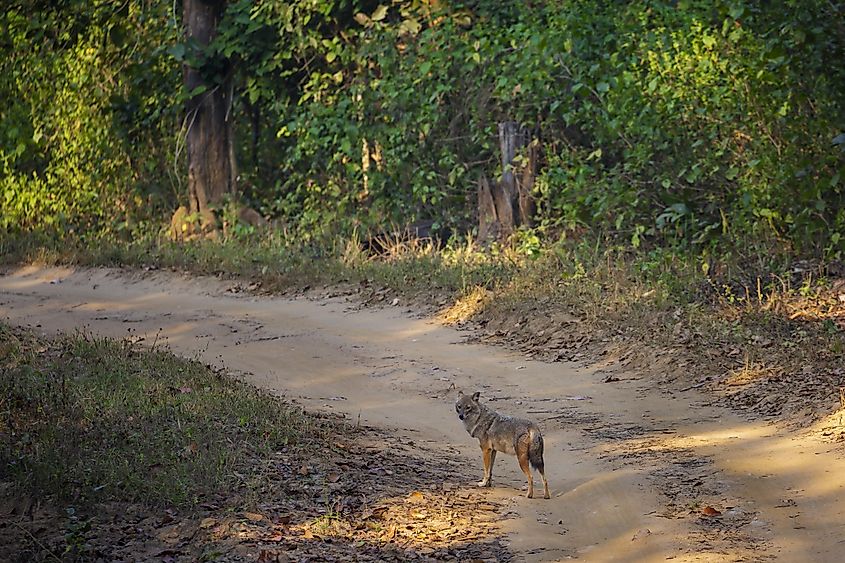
x,y
750,373
466,306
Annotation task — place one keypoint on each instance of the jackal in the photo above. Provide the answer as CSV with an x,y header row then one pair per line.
x,y
500,433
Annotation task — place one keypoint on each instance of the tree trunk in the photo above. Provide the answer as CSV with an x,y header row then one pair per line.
x,y
525,183
209,140
510,139
488,219
505,205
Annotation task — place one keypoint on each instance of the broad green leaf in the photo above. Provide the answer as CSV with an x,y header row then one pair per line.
x,y
197,91
411,26
379,14
177,51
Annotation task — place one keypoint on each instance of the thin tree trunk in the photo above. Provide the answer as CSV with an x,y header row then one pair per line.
x,y
254,111
230,137
488,219
525,184
510,139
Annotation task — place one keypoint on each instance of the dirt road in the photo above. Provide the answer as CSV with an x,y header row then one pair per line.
x,y
637,473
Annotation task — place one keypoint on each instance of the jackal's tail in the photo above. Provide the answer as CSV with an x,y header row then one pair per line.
x,y
535,450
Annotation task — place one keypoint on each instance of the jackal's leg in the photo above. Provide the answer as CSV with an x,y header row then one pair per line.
x,y
488,454
522,455
545,483
541,466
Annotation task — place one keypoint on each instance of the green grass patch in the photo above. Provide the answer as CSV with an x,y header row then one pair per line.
x,y
89,419
280,262
592,275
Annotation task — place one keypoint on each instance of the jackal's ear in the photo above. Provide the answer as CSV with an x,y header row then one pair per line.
x,y
476,395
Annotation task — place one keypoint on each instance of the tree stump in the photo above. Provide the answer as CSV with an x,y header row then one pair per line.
x,y
507,204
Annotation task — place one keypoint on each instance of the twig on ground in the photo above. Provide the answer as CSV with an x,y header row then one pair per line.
x,y
41,545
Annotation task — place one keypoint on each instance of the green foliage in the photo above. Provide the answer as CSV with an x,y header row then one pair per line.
x,y
693,124
690,124
87,121
700,122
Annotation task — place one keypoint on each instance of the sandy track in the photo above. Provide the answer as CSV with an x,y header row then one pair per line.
x,y
630,466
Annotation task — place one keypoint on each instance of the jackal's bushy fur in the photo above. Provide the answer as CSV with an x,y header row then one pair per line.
x,y
500,433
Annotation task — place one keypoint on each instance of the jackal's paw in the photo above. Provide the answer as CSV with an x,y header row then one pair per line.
x,y
484,483
547,495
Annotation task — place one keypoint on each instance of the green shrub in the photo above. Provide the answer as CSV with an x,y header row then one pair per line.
x,y
691,124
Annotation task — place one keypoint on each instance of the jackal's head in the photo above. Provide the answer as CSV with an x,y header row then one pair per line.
x,y
467,405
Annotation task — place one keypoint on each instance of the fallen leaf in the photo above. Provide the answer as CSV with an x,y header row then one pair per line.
x,y
377,513
303,470
267,556
254,517
419,514
415,497
166,518
710,511
333,477
207,523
